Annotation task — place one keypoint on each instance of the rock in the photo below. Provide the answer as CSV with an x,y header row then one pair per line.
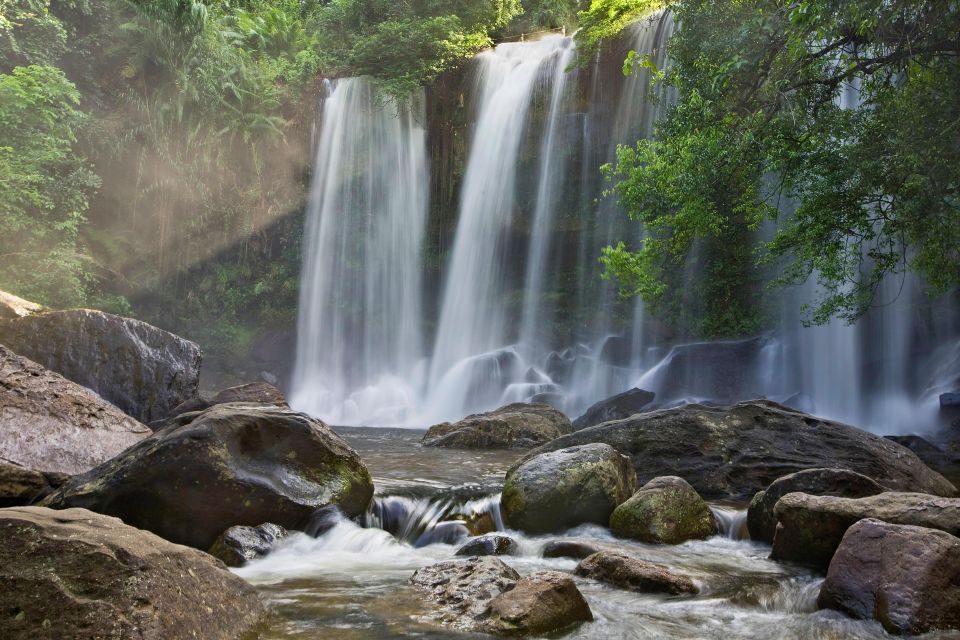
x,y
20,486
234,464
77,574
733,452
482,594
555,400
257,392
943,461
460,591
141,369
907,578
562,489
488,545
51,424
622,405
629,573
716,371
666,510
817,482
617,351
13,307
515,426
810,528
569,549
239,545
539,603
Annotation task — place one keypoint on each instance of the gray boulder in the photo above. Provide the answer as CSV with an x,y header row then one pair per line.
x,y
664,511
239,545
78,574
488,545
905,577
141,369
735,451
818,482
576,549
623,405
810,528
515,426
50,424
234,464
630,573
562,489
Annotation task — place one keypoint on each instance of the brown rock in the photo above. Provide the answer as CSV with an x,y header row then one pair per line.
x,y
629,573
539,603
515,426
20,486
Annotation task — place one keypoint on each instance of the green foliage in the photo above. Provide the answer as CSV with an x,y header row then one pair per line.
x,y
862,189
29,34
605,19
44,187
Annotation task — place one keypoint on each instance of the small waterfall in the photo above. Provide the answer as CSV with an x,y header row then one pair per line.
x,y
359,337
731,522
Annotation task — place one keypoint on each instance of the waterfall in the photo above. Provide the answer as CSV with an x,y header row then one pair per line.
x,y
359,338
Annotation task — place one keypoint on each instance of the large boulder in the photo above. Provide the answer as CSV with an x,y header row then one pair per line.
x,y
141,369
234,464
943,460
810,528
20,486
77,574
256,392
51,424
630,573
666,510
738,450
907,578
493,544
239,545
516,426
761,520
482,594
623,405
562,489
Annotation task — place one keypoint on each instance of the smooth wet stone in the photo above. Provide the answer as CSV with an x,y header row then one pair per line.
x,y
569,549
562,489
78,574
516,426
905,577
630,573
735,451
843,483
488,545
239,545
623,405
257,392
234,464
20,486
810,528
666,510
540,603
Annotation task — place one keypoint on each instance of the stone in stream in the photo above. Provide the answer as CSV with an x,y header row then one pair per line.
x,y
50,424
905,577
630,573
576,549
818,482
519,425
474,595
810,528
238,545
78,574
488,545
735,451
20,486
665,510
234,464
143,370
623,405
562,489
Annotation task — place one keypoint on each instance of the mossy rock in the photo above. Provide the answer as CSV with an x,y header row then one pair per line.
x,y
666,510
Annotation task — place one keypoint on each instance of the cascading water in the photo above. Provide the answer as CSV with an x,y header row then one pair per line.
x,y
359,341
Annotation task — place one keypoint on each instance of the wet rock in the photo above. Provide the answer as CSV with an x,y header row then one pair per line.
x,y
141,369
459,592
630,573
234,464
818,482
488,545
20,486
12,307
665,510
442,533
810,528
941,460
906,577
516,426
78,574
257,392
562,489
539,603
623,405
716,371
575,549
51,424
239,545
733,452
555,400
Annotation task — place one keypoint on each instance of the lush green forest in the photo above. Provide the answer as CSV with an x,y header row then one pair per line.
x,y
152,151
